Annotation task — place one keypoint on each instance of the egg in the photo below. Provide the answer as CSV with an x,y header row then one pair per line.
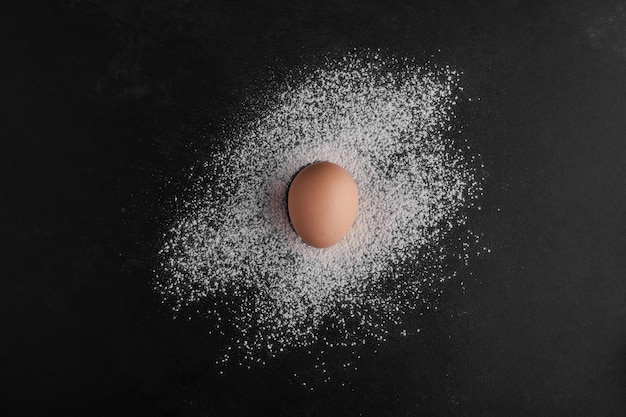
x,y
322,202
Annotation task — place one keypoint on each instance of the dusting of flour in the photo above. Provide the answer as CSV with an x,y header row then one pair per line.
x,y
233,255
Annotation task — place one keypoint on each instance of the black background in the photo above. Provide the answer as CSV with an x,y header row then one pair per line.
x,y
107,104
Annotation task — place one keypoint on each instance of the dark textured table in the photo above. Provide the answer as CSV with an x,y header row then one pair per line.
x,y
106,106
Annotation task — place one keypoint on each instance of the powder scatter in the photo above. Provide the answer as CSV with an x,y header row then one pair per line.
x,y
233,255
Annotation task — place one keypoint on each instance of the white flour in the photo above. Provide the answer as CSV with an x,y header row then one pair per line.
x,y
234,256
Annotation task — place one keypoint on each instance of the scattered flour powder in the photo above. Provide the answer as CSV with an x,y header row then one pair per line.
x,y
233,255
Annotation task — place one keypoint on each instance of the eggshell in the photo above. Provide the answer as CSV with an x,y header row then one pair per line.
x,y
323,201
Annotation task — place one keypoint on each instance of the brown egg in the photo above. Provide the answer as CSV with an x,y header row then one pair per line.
x,y
322,202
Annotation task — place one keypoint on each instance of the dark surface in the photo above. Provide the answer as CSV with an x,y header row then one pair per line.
x,y
105,104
